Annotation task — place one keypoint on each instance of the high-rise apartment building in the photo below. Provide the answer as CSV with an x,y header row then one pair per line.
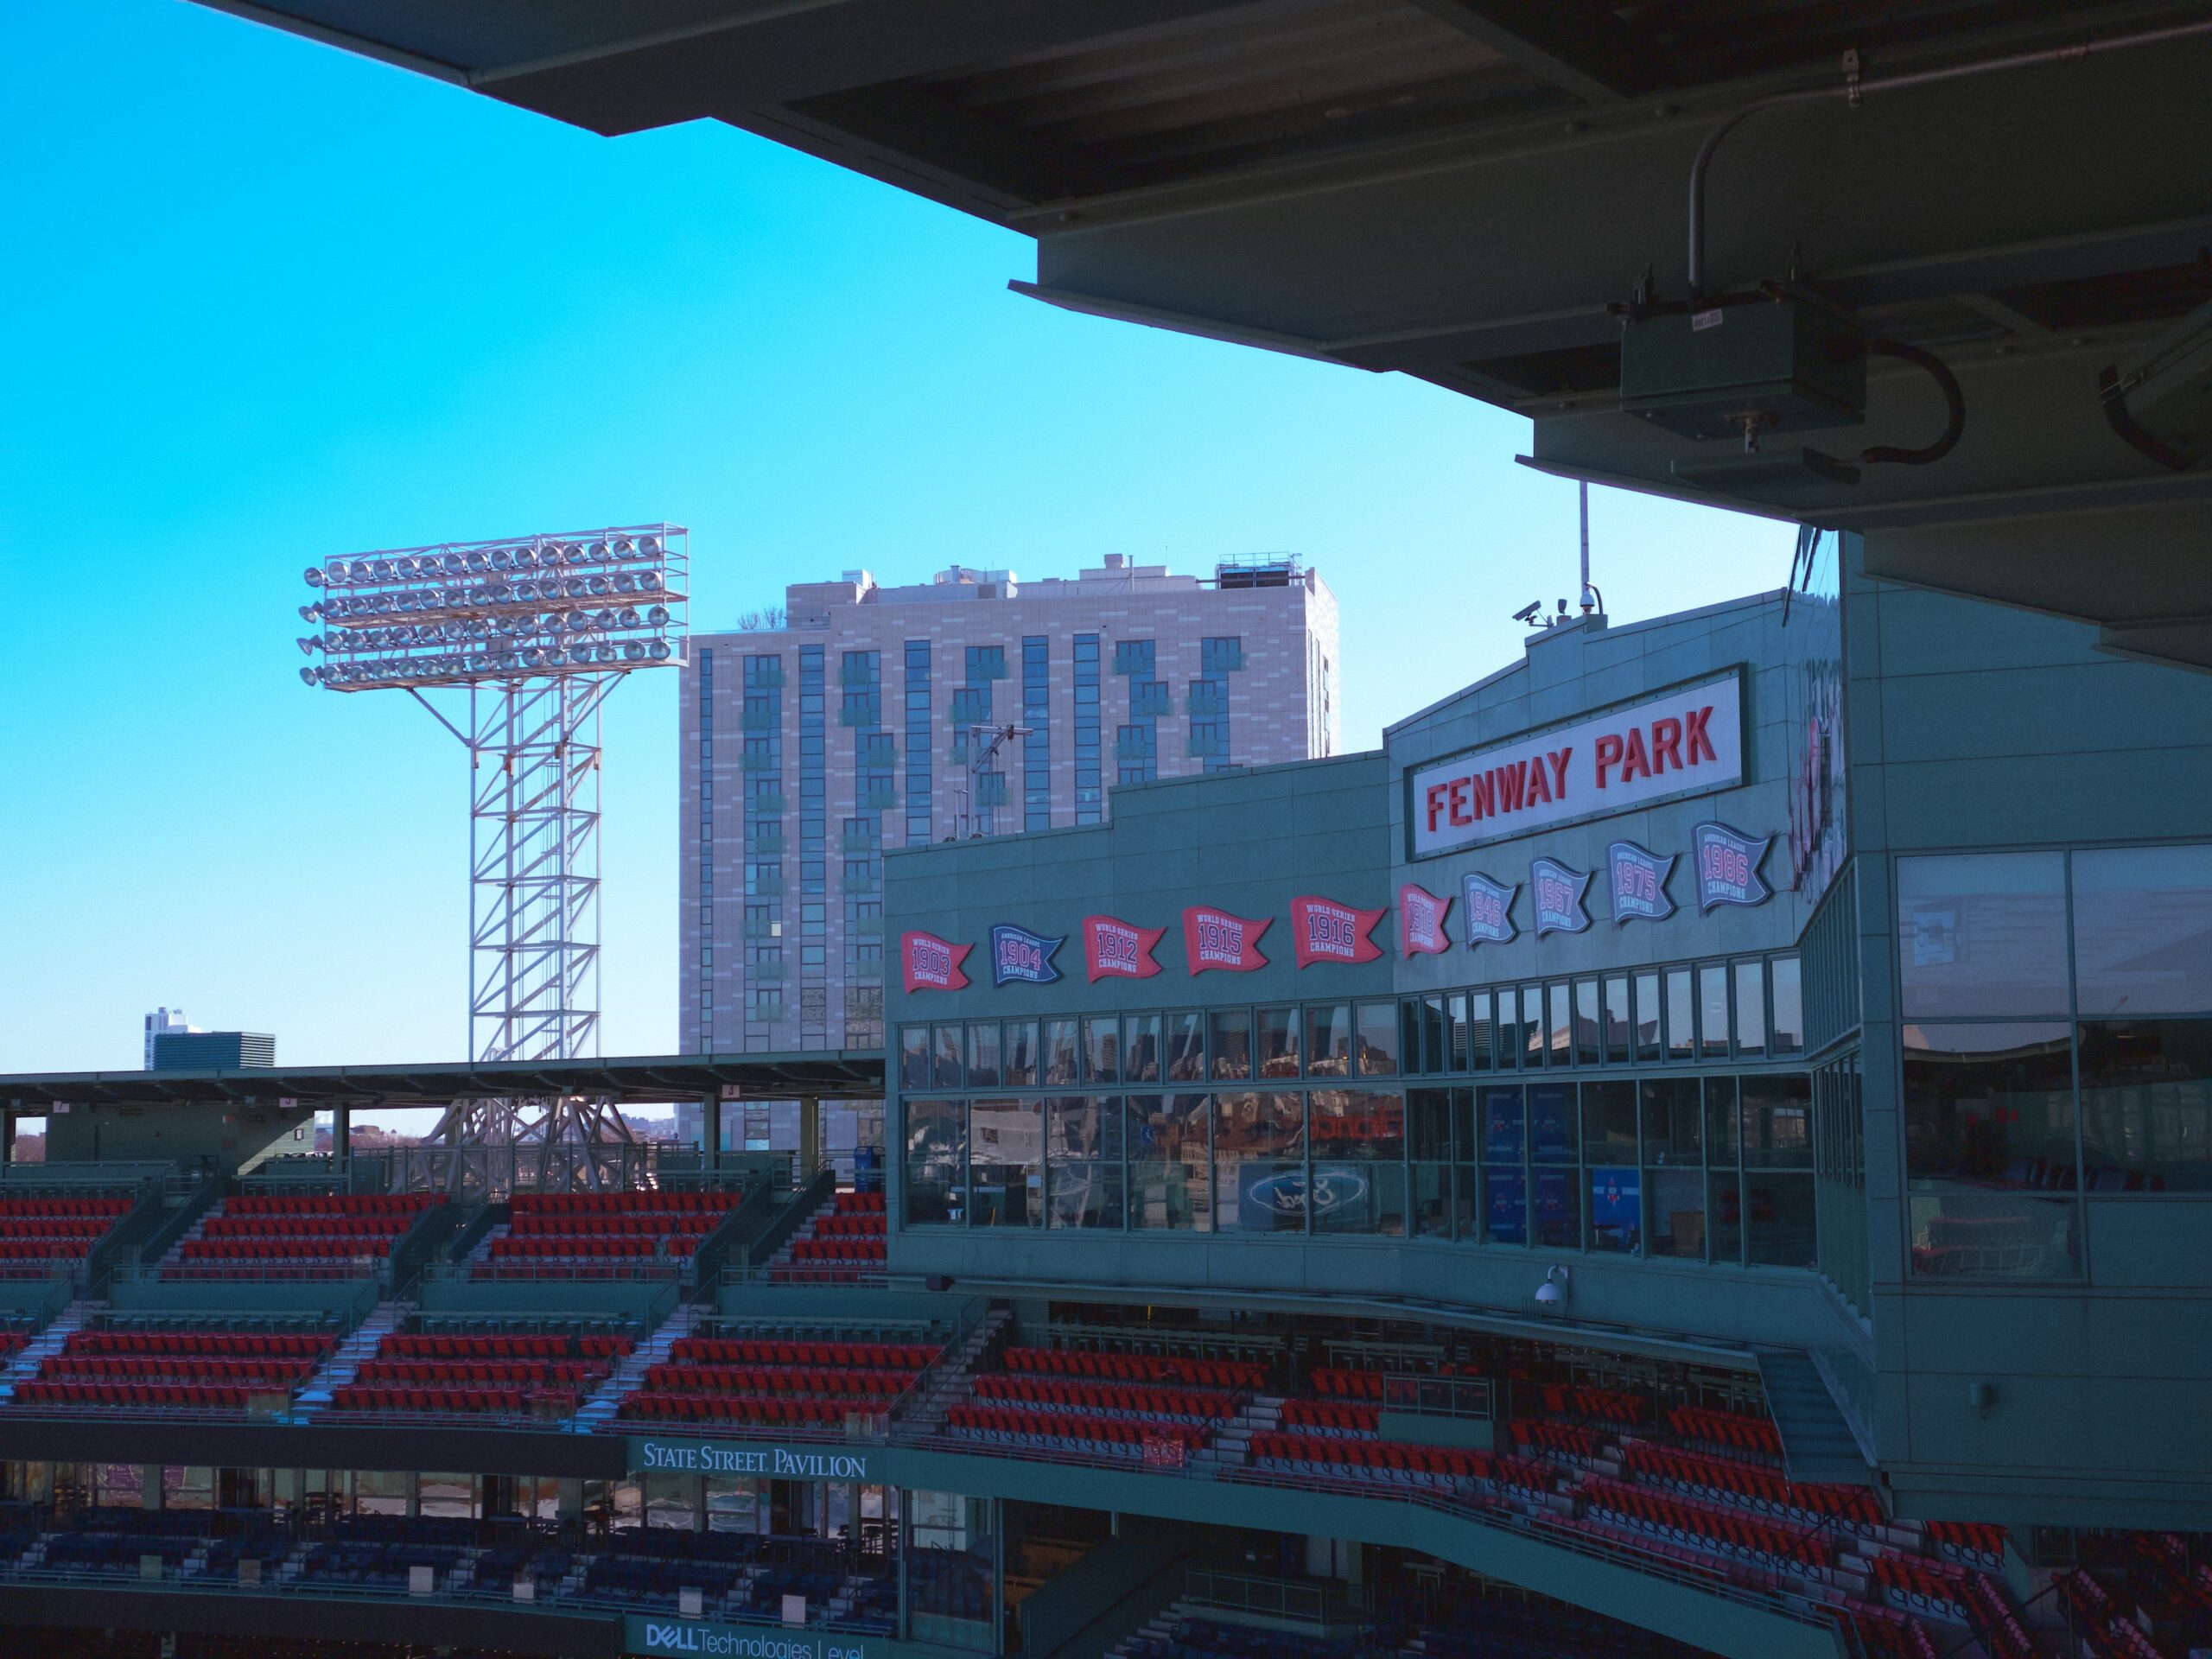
x,y
163,1022
878,717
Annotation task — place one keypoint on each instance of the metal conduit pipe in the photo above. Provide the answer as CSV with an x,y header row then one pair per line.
x,y
1852,88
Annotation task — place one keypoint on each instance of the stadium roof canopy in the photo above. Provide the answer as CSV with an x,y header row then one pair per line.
x,y
651,1078
1463,190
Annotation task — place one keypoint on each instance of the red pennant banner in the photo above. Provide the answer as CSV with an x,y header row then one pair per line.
x,y
1324,930
1113,949
1214,938
1420,922
931,963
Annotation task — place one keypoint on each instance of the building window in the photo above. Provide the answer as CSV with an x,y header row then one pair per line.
x,y
1136,748
1089,791
920,801
1037,746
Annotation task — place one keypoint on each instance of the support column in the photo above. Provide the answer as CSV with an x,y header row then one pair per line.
x,y
809,1135
7,1136
341,1132
710,1127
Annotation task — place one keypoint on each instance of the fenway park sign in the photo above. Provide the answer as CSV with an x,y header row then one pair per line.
x,y
1685,741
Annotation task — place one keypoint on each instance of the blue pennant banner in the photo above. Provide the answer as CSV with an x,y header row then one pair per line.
x,y
1558,893
1728,866
1021,957
1487,907
1639,882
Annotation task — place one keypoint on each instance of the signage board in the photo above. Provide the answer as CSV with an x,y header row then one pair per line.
x,y
1489,909
1685,741
1019,956
1728,866
1215,939
1321,930
931,963
1420,921
1113,949
692,1638
768,1460
1638,879
1558,893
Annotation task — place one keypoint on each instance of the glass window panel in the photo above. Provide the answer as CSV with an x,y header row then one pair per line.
x,y
1617,1027
1434,1053
2143,930
1378,1039
1087,1195
1509,1044
1616,1209
1409,1033
1720,1141
1506,1126
914,1057
1359,1146
1994,1234
1259,1147
1168,1185
1141,1054
1673,1113
1278,1040
984,1055
1556,1195
936,1161
1675,1201
1990,1106
1609,1122
1982,935
1328,1040
1785,978
1559,1023
1589,1029
1428,1125
2146,1105
1725,1218
945,1045
1532,1025
1651,1034
1713,1009
1019,1056
1083,1128
1750,1007
1101,1049
1505,1205
1063,1056
1466,1183
1229,1039
1780,1209
1456,1030
1681,1016
1006,1163
1777,1117
1186,1047
1551,1123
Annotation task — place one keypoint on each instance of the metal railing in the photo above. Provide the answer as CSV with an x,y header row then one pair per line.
x,y
1468,1397
1305,1602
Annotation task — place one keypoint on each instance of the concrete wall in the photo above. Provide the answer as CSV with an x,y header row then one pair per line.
x,y
1975,728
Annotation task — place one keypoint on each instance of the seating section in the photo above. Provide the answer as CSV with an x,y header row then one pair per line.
x,y
1936,1588
319,1236
843,1243
1730,1431
39,1235
1968,1541
1157,1406
507,1375
772,1383
601,1234
1282,1451
189,1370
1706,1525
1713,1478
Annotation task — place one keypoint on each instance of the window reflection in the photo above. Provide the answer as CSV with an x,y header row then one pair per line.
x,y
1982,935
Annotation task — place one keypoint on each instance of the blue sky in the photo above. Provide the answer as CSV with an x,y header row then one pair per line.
x,y
269,302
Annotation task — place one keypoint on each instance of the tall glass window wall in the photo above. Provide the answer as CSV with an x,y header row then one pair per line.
x,y
762,720
920,799
1387,1117
704,1039
1089,790
1037,721
813,856
2057,1038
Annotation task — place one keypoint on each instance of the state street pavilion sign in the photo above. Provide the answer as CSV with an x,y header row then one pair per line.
x,y
762,1459
1685,741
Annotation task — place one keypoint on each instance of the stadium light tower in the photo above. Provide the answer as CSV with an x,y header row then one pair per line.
x,y
534,632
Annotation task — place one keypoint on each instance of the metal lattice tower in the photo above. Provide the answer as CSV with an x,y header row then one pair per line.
x,y
537,632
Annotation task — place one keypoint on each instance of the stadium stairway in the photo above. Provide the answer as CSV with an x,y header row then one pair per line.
x,y
601,1405
340,1370
1817,1444
1231,1445
951,1385
47,1343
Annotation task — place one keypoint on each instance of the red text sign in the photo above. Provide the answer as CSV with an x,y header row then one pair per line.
x,y
1214,938
1116,950
1420,922
931,963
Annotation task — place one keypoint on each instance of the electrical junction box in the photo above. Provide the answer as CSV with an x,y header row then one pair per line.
x,y
1782,365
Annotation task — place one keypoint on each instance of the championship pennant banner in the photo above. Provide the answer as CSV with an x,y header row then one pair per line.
x,y
1113,949
1639,882
1558,893
1214,938
1322,929
933,965
1019,956
1420,922
1728,866
1488,907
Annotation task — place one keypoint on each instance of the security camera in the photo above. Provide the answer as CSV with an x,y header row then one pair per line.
x,y
1528,613
1551,1295
1548,1295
